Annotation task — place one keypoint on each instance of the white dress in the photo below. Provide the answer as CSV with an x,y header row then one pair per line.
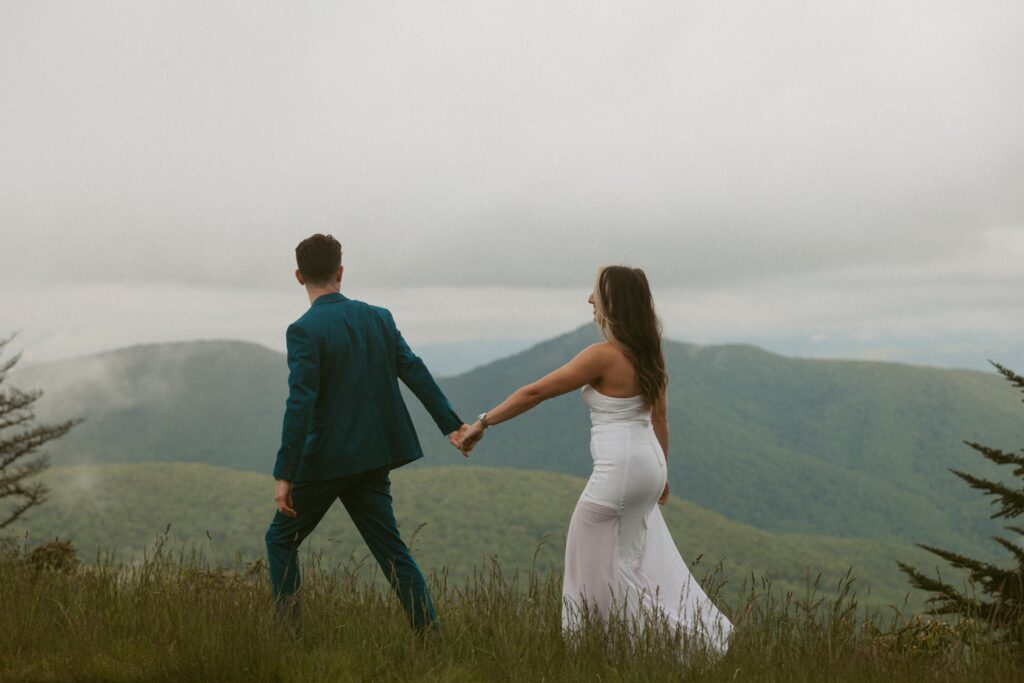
x,y
619,555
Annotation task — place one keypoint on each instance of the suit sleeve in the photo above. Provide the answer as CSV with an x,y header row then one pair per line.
x,y
303,389
413,372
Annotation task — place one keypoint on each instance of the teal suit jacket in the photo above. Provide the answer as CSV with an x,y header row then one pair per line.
x,y
345,414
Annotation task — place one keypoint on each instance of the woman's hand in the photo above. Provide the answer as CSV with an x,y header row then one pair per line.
x,y
664,495
470,437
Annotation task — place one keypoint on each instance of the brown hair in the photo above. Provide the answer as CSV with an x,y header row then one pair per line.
x,y
318,258
626,318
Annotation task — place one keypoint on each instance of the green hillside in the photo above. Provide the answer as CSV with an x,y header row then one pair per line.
x,y
207,401
470,515
840,448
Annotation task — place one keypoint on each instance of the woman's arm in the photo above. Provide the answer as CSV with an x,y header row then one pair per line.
x,y
586,368
659,421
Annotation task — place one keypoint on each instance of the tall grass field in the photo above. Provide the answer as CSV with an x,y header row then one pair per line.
x,y
174,617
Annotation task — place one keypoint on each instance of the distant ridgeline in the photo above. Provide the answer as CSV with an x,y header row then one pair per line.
x,y
832,448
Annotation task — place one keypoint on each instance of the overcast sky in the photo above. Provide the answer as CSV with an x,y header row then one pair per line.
x,y
822,178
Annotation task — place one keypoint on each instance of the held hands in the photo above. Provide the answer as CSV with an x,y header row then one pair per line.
x,y
471,437
466,437
455,438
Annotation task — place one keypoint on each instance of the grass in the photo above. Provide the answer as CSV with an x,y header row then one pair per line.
x,y
173,617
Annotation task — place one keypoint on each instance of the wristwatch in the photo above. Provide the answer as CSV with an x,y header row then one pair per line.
x,y
482,417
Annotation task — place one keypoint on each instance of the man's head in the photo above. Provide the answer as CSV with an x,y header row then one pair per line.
x,y
319,261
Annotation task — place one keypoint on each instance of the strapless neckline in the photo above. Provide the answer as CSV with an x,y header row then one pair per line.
x,y
613,398
606,409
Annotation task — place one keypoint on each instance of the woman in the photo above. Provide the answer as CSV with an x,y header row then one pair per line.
x,y
619,555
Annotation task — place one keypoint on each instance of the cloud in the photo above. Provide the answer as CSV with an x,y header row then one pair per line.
x,y
508,144
847,171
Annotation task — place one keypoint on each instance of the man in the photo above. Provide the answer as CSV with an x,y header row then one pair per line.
x,y
345,427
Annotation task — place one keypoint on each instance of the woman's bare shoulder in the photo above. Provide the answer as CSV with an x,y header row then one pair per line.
x,y
607,354
602,350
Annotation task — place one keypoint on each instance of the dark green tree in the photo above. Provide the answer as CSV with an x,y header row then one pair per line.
x,y
20,439
998,595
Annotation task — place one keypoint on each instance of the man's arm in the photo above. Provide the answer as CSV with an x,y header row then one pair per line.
x,y
303,389
415,375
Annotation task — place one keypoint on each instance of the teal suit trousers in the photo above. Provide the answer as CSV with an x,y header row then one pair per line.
x,y
367,498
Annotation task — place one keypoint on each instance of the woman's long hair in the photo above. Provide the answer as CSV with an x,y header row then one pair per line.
x,y
625,315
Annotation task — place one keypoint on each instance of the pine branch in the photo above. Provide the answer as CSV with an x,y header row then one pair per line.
x,y
15,419
982,572
1011,500
1016,550
16,399
29,440
33,495
15,473
1006,586
1012,377
926,583
11,477
9,364
949,599
1000,457
16,407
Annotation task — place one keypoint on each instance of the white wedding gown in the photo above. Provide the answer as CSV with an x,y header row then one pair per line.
x,y
619,555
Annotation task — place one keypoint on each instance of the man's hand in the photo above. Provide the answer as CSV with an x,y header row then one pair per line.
x,y
283,497
455,438
471,437
664,495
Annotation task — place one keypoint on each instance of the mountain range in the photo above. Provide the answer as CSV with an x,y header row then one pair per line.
x,y
847,448
833,449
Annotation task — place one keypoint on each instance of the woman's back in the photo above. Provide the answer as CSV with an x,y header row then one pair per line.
x,y
618,379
